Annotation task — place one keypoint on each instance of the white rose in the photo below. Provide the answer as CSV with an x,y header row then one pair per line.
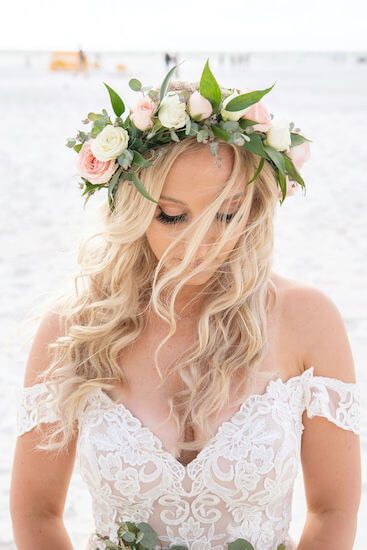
x,y
172,112
109,143
279,136
232,115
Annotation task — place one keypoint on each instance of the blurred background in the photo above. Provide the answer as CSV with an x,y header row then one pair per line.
x,y
55,57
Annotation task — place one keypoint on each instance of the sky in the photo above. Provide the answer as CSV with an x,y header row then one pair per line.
x,y
184,25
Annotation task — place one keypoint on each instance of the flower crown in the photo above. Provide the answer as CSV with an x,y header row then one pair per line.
x,y
113,151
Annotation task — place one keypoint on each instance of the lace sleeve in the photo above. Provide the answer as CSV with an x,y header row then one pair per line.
x,y
334,399
29,413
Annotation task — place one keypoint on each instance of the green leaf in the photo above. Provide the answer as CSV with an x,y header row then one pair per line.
x,y
111,187
94,116
245,123
219,132
132,176
255,145
209,87
283,185
292,171
165,82
150,538
245,100
135,84
78,147
276,157
174,136
127,536
281,547
70,142
116,101
257,173
240,544
178,547
139,160
297,139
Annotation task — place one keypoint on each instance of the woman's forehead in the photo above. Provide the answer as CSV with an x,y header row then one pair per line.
x,y
196,175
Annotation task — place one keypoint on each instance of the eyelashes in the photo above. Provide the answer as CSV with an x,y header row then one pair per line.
x,y
164,218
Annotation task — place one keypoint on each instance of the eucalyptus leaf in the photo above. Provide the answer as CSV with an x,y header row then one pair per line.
x,y
116,101
240,544
174,136
246,100
135,84
209,87
70,142
178,547
128,536
93,116
150,538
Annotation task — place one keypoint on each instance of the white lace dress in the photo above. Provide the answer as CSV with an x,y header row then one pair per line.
x,y
240,485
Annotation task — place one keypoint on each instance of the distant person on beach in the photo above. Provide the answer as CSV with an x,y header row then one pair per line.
x,y
82,61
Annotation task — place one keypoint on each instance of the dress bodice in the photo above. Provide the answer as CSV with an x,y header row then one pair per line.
x,y
240,485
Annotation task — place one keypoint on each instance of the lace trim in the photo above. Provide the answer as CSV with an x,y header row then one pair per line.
x,y
29,412
334,399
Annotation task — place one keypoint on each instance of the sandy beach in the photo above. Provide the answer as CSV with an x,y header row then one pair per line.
x,y
320,237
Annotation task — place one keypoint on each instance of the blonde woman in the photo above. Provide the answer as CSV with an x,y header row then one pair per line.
x,y
186,378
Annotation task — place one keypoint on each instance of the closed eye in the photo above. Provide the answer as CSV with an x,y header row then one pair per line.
x,y
165,218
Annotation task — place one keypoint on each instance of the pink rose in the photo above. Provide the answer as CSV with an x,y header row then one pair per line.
x,y
300,154
291,186
199,105
258,113
142,112
92,169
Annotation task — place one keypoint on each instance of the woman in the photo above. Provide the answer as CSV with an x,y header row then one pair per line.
x,y
221,373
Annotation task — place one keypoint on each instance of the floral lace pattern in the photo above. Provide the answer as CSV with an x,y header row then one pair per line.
x,y
239,485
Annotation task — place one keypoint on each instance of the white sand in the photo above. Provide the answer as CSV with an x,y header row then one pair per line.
x,y
320,237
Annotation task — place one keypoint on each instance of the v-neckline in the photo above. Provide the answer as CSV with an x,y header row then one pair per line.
x,y
185,468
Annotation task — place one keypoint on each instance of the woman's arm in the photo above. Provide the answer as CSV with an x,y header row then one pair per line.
x,y
330,454
40,478
41,533
331,530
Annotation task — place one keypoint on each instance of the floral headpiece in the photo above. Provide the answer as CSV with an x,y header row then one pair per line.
x,y
113,151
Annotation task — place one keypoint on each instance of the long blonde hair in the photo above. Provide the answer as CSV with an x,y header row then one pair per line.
x,y
121,279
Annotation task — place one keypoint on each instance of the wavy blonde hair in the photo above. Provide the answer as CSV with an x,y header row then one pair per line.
x,y
122,279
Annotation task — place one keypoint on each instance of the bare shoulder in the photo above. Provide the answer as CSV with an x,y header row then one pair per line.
x,y
48,330
316,325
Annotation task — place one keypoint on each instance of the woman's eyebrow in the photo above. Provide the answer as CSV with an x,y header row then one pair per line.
x,y
185,204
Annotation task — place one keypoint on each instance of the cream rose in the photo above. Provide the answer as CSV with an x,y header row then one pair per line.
x,y
279,136
232,115
110,143
199,105
172,112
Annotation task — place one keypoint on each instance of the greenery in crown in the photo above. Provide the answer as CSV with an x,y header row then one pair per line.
x,y
114,151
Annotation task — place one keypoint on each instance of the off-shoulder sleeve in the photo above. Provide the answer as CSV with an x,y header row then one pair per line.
x,y
29,412
334,399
